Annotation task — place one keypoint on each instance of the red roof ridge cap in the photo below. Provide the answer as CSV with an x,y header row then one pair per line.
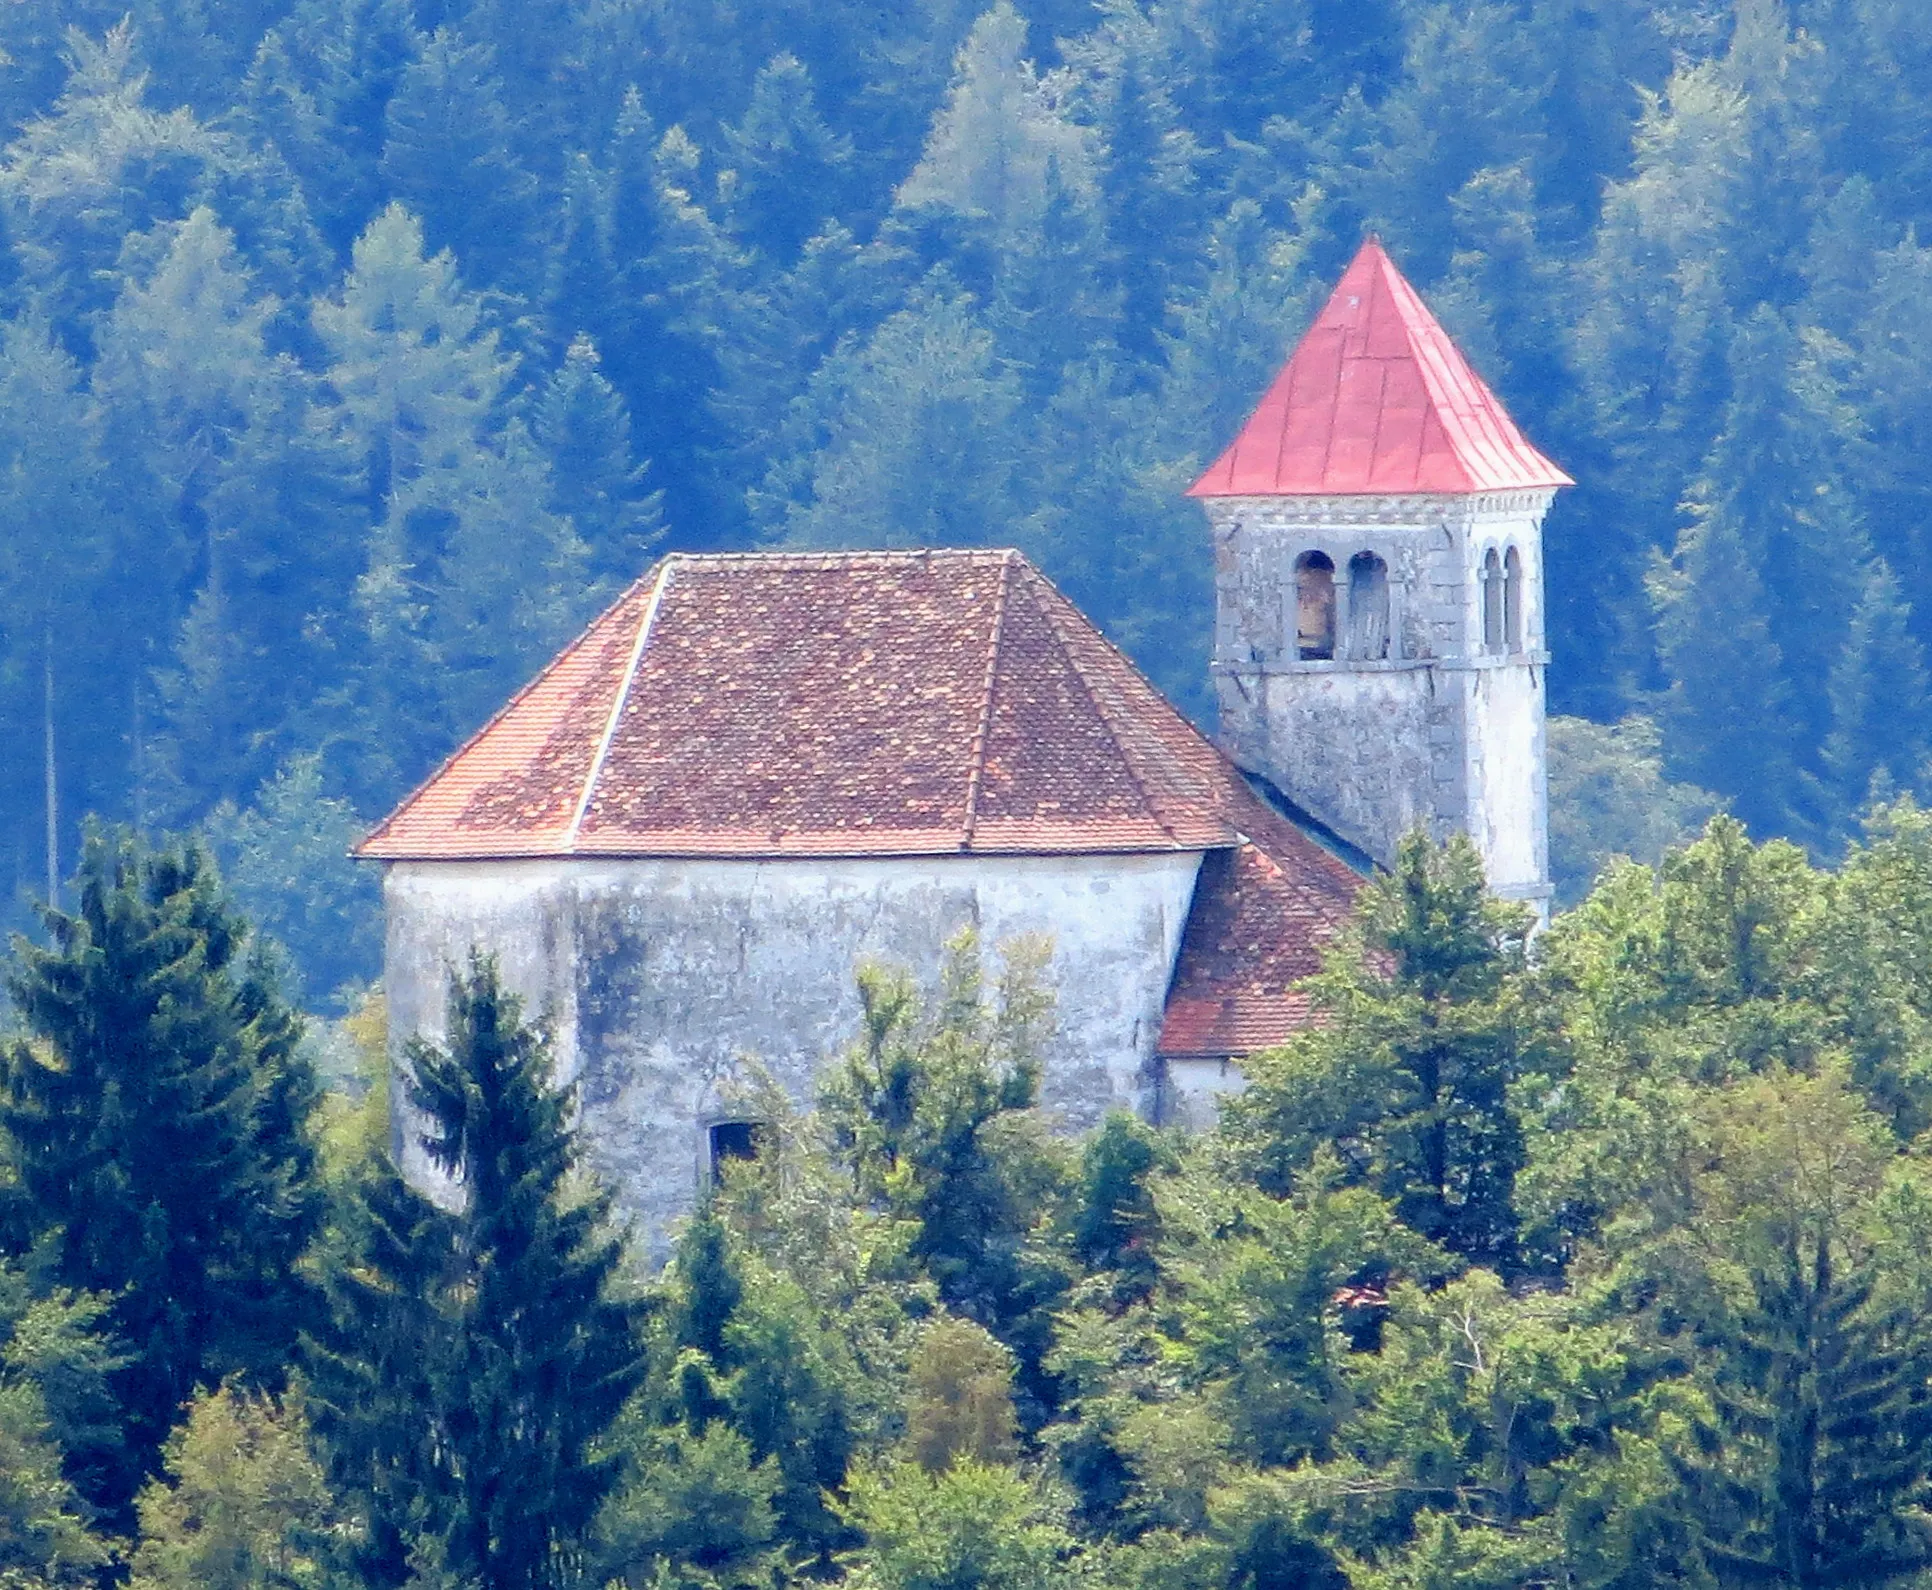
x,y
422,785
976,754
595,771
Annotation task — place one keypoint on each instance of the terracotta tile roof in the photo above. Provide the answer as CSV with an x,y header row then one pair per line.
x,y
891,703
1263,910
1377,399
886,703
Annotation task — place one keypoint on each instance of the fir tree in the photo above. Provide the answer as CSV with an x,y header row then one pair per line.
x,y
582,426
1879,698
159,1113
525,1354
451,154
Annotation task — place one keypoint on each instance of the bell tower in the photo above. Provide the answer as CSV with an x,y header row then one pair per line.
x,y
1379,648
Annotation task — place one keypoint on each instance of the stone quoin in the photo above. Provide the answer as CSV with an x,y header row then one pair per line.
x,y
754,771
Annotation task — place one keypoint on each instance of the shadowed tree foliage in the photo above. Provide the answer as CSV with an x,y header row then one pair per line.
x,y
158,1111
477,1358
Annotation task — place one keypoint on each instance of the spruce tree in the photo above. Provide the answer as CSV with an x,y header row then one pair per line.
x,y
1879,698
483,1435
1810,1318
452,154
585,432
792,171
159,1113
1724,723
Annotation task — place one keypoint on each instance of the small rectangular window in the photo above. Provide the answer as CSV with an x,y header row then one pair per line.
x,y
734,1140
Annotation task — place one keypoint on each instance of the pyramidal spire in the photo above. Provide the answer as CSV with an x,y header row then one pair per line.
x,y
1377,400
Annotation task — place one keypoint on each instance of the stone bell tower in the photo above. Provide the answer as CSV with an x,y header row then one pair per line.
x,y
1379,649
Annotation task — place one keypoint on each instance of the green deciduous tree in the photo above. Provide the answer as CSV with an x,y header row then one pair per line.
x,y
1409,1075
243,1505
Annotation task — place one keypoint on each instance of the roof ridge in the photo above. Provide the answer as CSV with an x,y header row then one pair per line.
x,y
1127,758
832,558
596,768
976,753
544,673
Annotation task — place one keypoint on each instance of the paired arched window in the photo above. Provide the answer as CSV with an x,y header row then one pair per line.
x,y
1513,600
1368,607
1492,601
1314,607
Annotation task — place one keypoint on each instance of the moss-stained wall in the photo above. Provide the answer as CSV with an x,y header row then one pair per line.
x,y
662,976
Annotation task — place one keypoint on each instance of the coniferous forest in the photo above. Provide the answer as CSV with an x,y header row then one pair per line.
x,y
354,352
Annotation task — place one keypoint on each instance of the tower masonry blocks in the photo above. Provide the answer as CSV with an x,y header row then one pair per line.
x,y
1380,659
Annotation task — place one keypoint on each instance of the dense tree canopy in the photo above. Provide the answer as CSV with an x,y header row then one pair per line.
x,y
355,350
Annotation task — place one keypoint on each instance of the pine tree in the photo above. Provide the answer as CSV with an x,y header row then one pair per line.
x,y
791,171
1879,701
541,1355
451,154
159,1113
582,426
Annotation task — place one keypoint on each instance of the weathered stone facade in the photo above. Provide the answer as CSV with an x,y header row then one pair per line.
x,y
661,979
1444,725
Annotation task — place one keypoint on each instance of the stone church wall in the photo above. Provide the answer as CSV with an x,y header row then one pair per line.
x,y
661,976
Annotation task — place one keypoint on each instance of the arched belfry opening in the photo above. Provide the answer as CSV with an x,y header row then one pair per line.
x,y
1368,607
1492,602
1315,607
1513,600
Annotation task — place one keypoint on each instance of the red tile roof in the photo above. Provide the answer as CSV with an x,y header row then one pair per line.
x,y
1377,400
880,704
1261,918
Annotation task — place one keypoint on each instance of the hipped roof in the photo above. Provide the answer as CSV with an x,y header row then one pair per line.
x,y
863,703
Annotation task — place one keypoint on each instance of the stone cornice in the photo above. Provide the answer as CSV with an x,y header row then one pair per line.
x,y
1425,511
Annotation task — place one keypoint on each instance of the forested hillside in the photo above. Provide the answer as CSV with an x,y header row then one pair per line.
x,y
355,351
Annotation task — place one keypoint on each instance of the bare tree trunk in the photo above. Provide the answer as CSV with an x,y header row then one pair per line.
x,y
53,785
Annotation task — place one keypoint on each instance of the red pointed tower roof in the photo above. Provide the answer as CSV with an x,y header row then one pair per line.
x,y
1377,400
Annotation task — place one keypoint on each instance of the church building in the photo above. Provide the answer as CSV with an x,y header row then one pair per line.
x,y
755,771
